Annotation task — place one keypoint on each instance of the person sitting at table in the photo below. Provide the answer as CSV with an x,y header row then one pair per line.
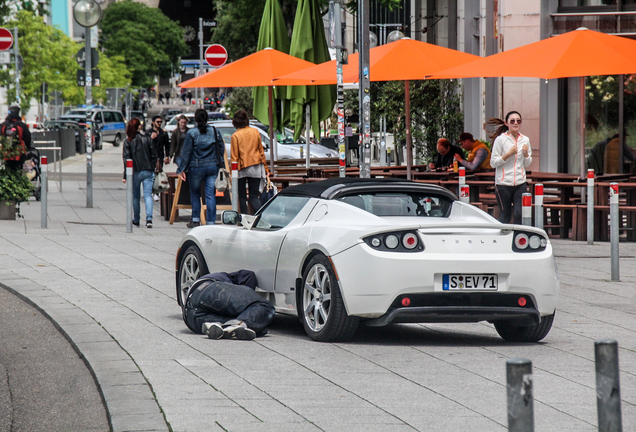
x,y
478,153
603,157
446,151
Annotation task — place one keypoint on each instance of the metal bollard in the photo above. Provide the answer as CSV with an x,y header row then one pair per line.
x,y
608,389
520,398
538,205
590,206
526,209
614,223
235,188
464,193
44,189
129,195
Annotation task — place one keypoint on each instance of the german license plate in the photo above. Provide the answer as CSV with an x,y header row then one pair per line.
x,y
469,282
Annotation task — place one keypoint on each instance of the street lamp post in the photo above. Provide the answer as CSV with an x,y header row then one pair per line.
x,y
88,13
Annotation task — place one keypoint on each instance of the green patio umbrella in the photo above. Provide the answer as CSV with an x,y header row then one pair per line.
x,y
309,43
272,34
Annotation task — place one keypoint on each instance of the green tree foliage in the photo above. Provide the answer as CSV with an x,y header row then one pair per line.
x,y
241,98
8,7
239,22
435,112
49,57
150,42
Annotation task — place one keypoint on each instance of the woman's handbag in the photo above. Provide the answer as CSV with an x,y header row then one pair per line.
x,y
161,183
268,192
222,181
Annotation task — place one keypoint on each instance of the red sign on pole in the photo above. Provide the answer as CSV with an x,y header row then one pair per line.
x,y
6,39
216,55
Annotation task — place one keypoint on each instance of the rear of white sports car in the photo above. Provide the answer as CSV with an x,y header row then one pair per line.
x,y
455,273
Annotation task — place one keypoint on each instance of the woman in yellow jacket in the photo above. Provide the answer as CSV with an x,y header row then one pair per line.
x,y
247,150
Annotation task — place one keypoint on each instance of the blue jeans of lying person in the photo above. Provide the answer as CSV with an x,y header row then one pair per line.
x,y
207,175
215,301
145,178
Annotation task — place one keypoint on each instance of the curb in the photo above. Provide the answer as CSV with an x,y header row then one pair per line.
x,y
129,400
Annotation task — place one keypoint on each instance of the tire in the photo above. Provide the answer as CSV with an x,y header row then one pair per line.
x,y
191,267
320,305
117,141
533,333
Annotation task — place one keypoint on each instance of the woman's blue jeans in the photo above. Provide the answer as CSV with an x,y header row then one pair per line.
x,y
206,175
146,178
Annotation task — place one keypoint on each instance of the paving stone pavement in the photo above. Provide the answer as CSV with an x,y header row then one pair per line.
x,y
113,295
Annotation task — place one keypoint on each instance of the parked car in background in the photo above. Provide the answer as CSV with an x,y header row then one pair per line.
x,y
110,122
284,151
168,113
142,116
287,139
340,253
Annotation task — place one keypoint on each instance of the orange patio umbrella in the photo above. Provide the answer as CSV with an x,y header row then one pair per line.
x,y
403,60
578,53
254,70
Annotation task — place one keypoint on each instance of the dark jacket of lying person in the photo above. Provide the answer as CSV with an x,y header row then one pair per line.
x,y
226,305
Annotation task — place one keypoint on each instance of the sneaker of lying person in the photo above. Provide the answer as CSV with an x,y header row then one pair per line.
x,y
212,330
239,332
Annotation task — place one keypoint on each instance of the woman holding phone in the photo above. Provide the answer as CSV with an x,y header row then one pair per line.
x,y
511,155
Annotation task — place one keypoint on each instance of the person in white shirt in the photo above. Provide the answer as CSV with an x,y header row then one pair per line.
x,y
511,155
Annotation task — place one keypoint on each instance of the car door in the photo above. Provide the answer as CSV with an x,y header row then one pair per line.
x,y
98,118
257,248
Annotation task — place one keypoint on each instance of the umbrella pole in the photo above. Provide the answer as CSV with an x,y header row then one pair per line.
x,y
307,130
582,131
270,115
409,148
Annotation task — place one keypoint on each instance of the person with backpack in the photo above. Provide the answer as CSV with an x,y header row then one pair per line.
x,y
15,128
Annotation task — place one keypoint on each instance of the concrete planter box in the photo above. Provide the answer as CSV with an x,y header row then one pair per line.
x,y
7,210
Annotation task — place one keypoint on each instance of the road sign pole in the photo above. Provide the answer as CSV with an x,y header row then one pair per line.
x,y
16,51
364,128
89,132
200,90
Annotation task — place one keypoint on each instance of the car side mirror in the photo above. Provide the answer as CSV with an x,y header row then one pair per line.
x,y
231,217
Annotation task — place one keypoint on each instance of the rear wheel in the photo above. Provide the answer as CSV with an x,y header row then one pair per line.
x,y
320,304
191,267
532,333
117,141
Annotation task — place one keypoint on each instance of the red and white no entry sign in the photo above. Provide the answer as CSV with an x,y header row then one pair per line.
x,y
216,55
6,39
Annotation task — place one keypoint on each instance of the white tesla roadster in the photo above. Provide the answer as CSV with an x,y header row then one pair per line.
x,y
341,252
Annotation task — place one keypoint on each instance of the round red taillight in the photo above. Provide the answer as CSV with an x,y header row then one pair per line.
x,y
406,301
521,241
409,241
522,301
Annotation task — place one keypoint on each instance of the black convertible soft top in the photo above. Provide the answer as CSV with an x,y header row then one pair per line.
x,y
336,187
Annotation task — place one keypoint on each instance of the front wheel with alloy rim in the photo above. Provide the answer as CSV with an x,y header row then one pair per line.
x,y
191,267
531,333
320,304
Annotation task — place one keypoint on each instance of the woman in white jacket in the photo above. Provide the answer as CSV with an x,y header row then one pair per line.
x,y
511,155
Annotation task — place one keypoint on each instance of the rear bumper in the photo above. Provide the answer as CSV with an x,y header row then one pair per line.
x,y
443,314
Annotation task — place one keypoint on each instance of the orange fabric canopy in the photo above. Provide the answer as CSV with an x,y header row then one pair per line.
x,y
405,59
258,69
578,53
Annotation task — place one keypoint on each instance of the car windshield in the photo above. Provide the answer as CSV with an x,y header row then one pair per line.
x,y
401,203
288,138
